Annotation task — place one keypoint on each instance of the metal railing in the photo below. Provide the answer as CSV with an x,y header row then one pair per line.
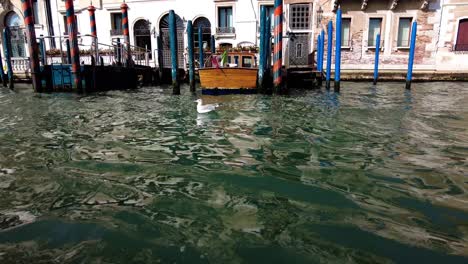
x,y
225,30
116,32
104,53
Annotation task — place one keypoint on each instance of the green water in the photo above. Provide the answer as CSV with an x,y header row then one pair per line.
x,y
374,175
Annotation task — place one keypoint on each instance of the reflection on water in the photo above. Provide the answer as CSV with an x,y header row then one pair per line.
x,y
374,175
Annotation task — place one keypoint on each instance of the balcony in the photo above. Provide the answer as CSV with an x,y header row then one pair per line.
x,y
225,31
116,32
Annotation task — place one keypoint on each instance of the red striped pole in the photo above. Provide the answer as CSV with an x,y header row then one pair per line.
x,y
74,51
278,50
92,24
92,20
124,9
32,44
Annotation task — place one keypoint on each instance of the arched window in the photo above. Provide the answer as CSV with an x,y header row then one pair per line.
x,y
142,34
164,32
462,37
205,25
15,24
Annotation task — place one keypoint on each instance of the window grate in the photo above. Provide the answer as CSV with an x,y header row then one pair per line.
x,y
300,17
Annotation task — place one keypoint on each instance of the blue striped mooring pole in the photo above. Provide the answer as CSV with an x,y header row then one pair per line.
x,y
200,48
376,64
191,56
409,76
173,46
338,51
329,53
261,63
278,50
7,50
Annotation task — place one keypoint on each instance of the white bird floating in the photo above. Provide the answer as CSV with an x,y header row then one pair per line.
x,y
201,109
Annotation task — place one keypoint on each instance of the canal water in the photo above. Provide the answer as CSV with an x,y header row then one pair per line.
x,y
373,175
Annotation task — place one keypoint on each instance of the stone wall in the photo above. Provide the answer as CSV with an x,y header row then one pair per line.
x,y
359,56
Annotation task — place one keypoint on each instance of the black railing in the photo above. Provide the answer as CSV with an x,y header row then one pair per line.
x,y
460,47
225,30
116,32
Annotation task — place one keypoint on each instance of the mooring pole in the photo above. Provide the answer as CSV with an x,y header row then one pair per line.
x,y
262,57
43,50
72,36
376,63
124,9
319,40
322,48
92,19
320,59
409,76
191,56
32,44
329,53
67,45
338,51
92,24
160,54
200,48
173,46
278,50
2,72
7,49
268,46
119,52
213,45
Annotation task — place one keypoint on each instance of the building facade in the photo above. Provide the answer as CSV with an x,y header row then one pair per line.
x,y
442,41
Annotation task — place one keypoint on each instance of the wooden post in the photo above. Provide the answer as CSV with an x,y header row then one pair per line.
x,y
191,56
32,45
119,52
376,63
278,52
329,53
7,49
409,76
200,48
213,45
173,46
43,50
67,45
338,51
75,52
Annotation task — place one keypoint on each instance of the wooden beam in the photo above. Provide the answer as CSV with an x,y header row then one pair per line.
x,y
364,4
393,4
